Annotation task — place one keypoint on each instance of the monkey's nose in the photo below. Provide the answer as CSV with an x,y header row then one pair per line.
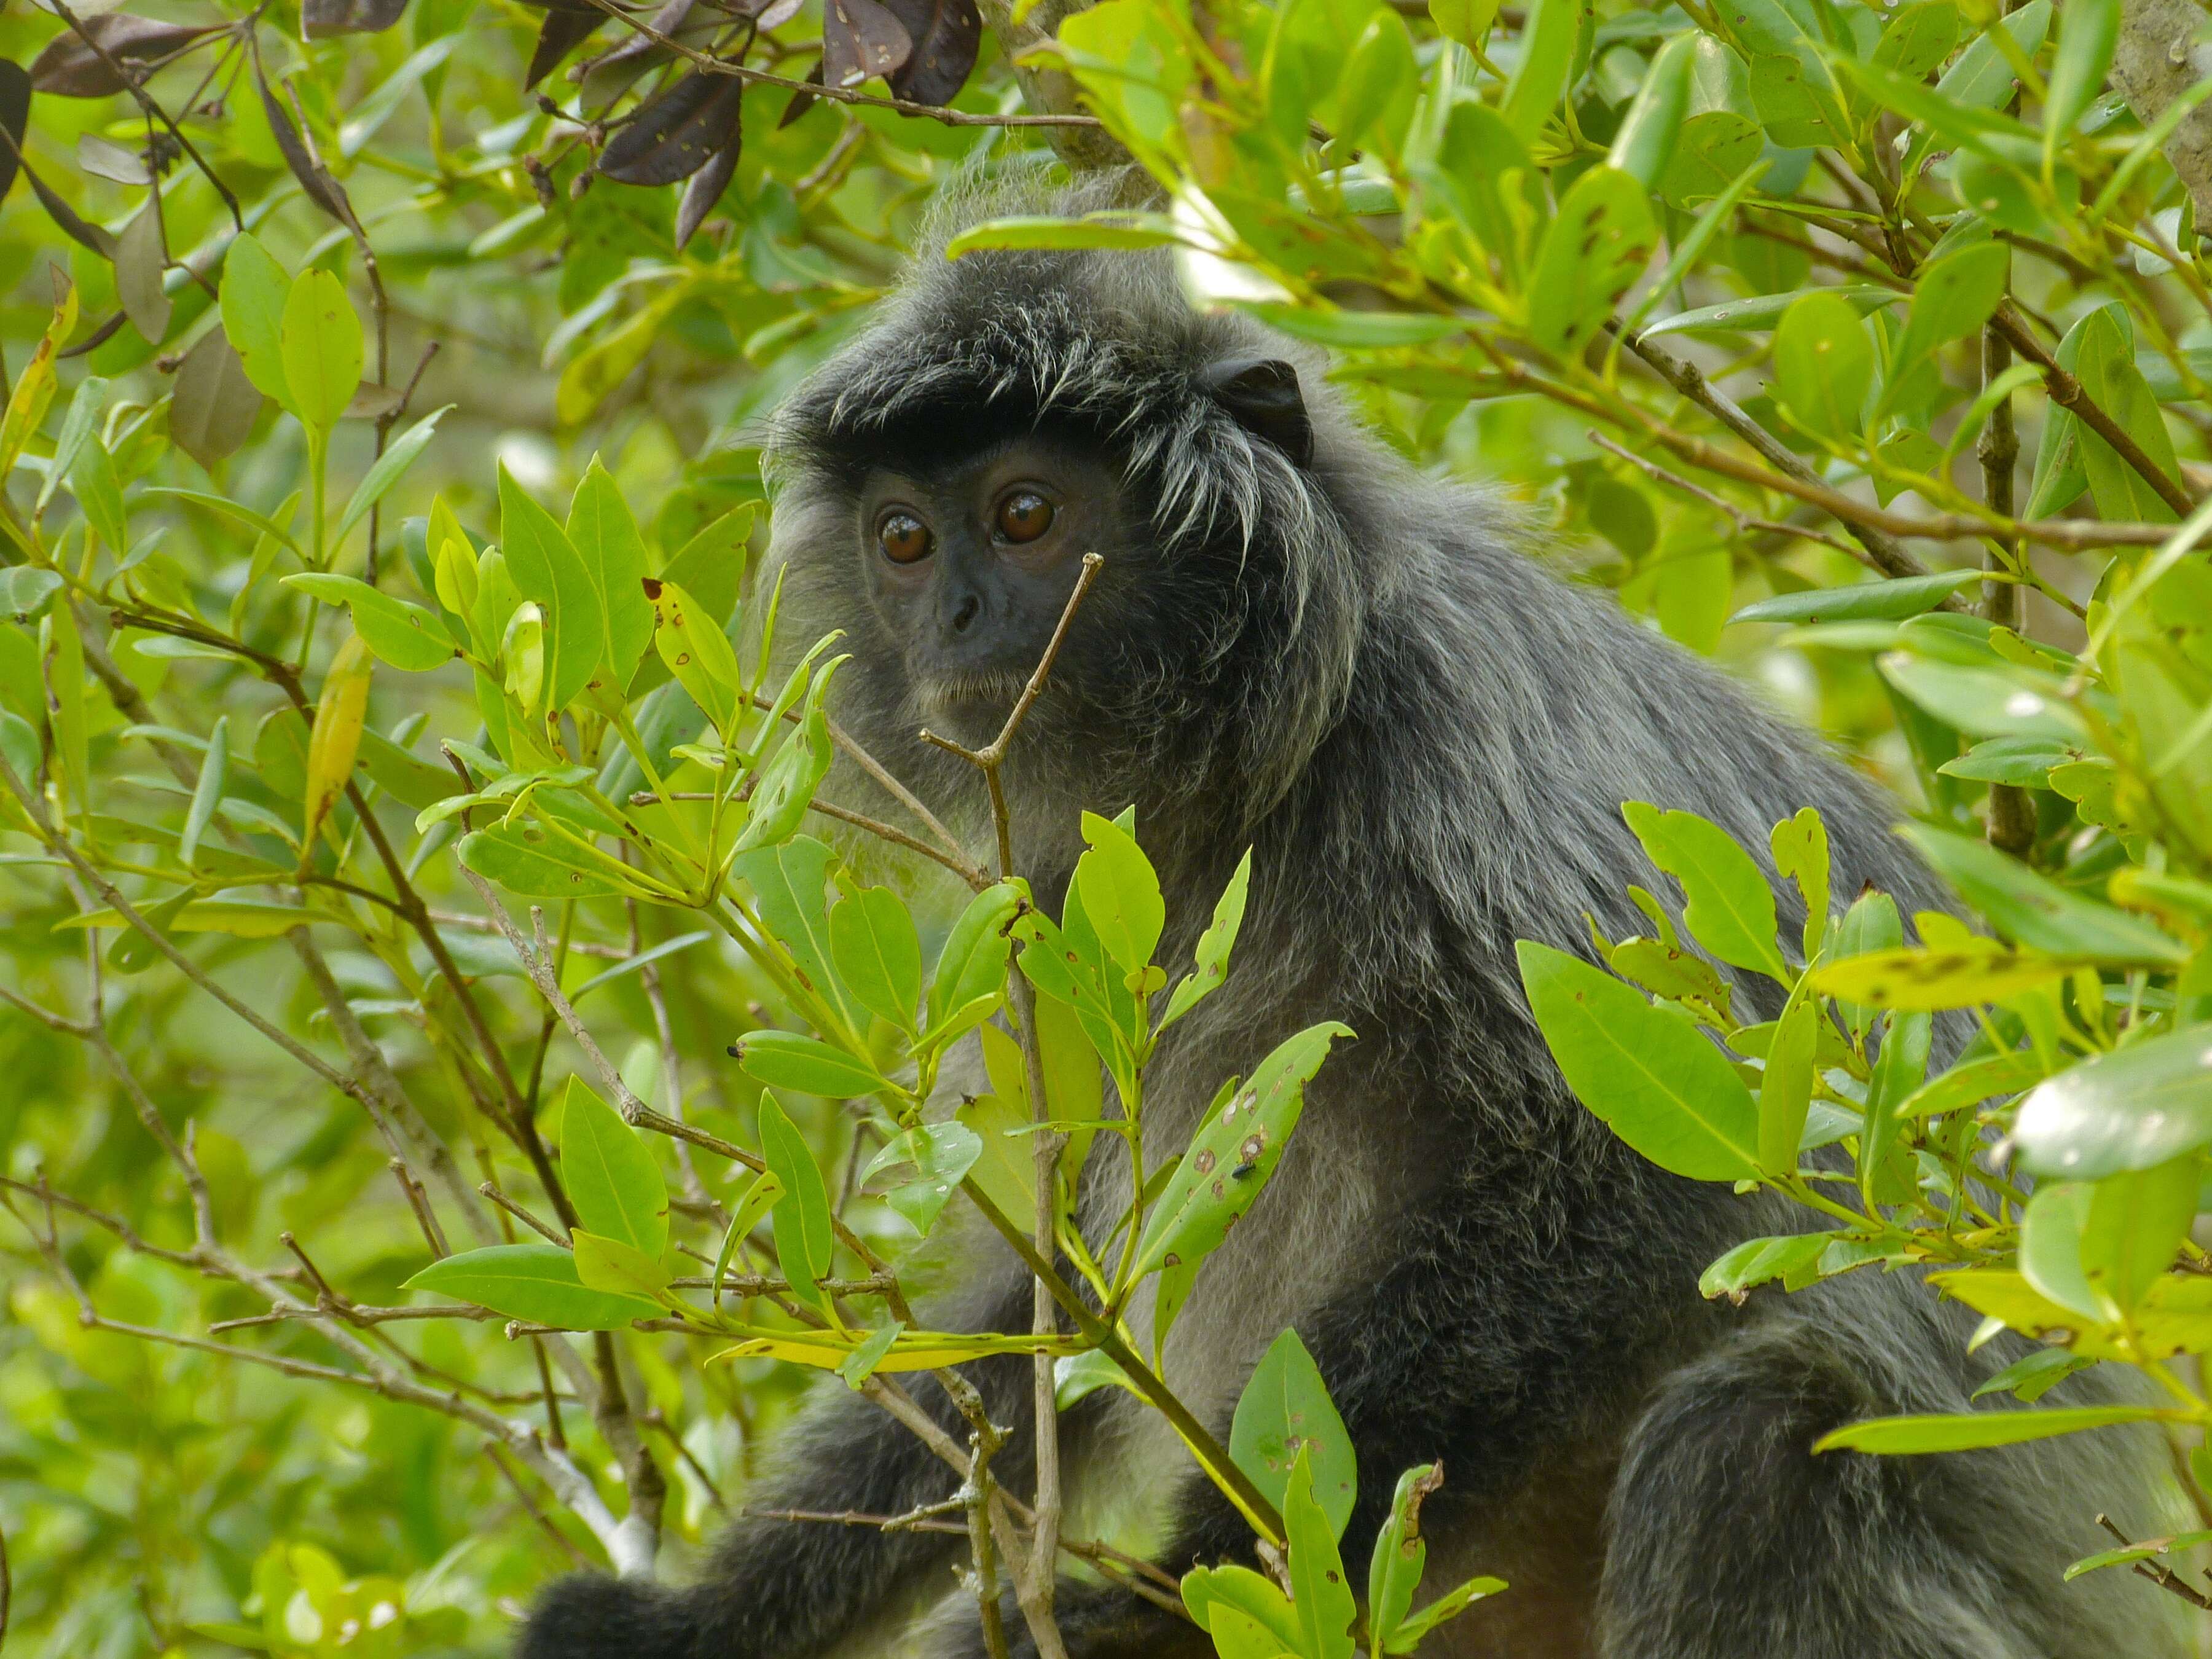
x,y
971,607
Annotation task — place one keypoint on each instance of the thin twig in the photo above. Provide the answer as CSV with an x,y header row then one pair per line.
x,y
1745,522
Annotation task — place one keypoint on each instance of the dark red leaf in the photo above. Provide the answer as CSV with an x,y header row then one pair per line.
x,y
561,33
213,406
616,70
325,191
677,133
946,35
706,186
800,102
70,68
860,39
14,119
320,18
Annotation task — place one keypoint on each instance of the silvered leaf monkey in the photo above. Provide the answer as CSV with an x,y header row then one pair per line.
x,y
1302,645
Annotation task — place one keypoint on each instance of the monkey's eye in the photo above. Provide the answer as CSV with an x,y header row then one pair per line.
x,y
1024,516
904,539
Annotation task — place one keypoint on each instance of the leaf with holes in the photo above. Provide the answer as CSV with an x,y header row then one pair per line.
x,y
1602,239
676,133
861,40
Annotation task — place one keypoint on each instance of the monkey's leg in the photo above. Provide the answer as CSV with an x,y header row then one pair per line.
x,y
1510,1326
782,1590
1731,1540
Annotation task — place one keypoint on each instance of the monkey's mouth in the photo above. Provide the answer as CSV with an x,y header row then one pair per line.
x,y
975,691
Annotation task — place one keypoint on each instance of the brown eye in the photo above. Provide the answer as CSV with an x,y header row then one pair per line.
x,y
1024,516
903,538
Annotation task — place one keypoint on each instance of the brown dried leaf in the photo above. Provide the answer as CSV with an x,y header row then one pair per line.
x,y
325,191
70,68
77,230
705,187
141,257
372,402
946,34
676,134
616,70
104,159
561,33
212,409
320,18
776,14
861,40
14,119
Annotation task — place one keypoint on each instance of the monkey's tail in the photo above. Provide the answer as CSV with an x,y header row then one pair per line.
x,y
593,1616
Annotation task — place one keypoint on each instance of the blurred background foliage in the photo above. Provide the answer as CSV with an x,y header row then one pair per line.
x,y
515,268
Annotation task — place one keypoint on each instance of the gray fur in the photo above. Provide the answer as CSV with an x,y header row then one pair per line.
x,y
1425,741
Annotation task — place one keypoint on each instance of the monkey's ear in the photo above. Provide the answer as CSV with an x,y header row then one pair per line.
x,y
1263,395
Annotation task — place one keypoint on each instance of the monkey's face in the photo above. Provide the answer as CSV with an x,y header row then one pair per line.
x,y
970,559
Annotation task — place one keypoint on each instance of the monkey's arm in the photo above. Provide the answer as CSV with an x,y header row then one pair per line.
x,y
783,1590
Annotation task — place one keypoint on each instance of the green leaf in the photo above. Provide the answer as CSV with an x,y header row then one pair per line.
x,y
1889,601
1285,1412
1764,310
408,636
1785,1090
760,1196
696,651
877,954
2036,912
1665,1090
1452,1603
786,783
2138,1106
25,590
1246,1614
2088,31
1824,365
536,1283
610,1264
1797,99
1645,142
2135,1225
2109,375
1895,1437
99,495
918,1171
1121,893
1957,975
254,290
1917,37
789,881
1353,331
207,793
616,1187
860,1364
1320,1594
1983,703
612,555
1547,50
1793,1258
786,1059
1400,1556
2025,762
239,918
1715,147
377,482
526,859
546,569
1210,957
2149,1549
321,343
804,1237
1800,846
971,964
1117,231
1953,298
1231,1155
1727,905
1592,252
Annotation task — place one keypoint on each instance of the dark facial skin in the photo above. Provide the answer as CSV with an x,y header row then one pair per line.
x,y
970,566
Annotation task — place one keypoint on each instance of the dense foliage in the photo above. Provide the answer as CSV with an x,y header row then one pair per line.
x,y
406,799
